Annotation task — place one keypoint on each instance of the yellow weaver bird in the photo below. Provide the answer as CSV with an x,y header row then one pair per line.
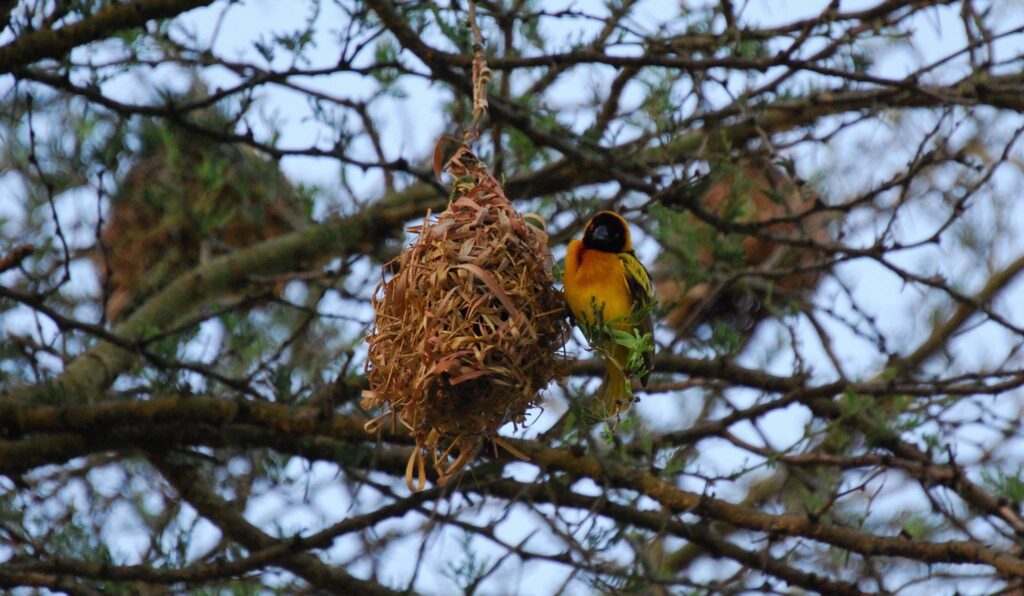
x,y
610,295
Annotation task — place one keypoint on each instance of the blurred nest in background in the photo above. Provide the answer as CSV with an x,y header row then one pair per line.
x,y
188,197
698,278
467,330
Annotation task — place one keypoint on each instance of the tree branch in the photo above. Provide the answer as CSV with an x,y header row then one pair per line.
x,y
54,43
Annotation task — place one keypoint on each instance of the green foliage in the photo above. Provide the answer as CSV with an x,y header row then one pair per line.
x,y
638,345
579,419
1005,483
751,48
920,527
70,536
659,100
682,239
725,339
451,25
386,53
604,335
470,567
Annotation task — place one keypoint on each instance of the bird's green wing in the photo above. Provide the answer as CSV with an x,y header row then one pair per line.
x,y
641,290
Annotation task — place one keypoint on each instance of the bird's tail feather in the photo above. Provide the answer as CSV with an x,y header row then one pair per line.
x,y
615,393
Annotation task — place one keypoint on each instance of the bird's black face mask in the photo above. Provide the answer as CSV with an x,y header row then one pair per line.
x,y
605,232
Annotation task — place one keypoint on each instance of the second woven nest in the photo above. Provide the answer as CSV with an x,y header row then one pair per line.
x,y
466,332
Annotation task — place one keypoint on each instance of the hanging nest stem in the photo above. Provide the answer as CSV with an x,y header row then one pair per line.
x,y
466,332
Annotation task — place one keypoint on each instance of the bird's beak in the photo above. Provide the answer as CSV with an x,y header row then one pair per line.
x,y
600,234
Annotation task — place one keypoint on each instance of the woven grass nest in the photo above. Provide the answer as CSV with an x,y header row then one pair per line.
x,y
766,192
185,195
466,332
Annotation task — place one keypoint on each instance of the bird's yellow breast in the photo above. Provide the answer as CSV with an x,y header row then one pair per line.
x,y
597,277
